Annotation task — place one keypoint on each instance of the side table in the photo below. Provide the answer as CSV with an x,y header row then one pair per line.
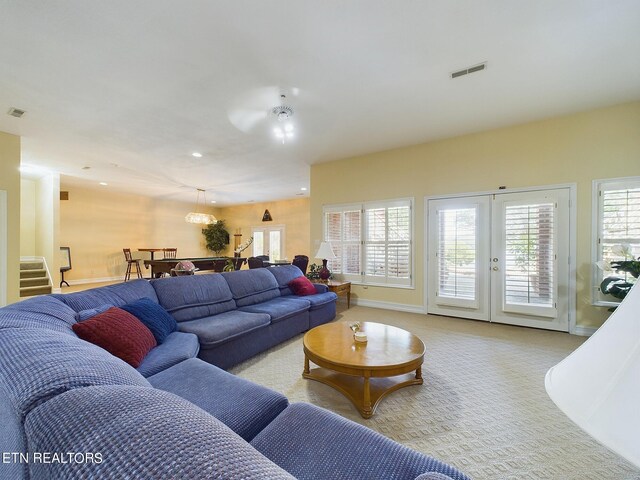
x,y
340,288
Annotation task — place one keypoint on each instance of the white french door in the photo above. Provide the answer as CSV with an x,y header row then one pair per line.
x,y
501,258
268,241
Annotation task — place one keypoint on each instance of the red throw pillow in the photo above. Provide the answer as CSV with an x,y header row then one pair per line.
x,y
302,286
119,333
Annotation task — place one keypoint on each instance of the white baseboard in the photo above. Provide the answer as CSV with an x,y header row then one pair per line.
x,y
398,307
584,331
81,281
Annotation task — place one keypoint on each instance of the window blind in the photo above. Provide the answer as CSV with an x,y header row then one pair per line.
x,y
530,257
456,253
372,241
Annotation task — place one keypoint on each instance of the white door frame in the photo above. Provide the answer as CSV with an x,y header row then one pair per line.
x,y
572,238
3,248
283,231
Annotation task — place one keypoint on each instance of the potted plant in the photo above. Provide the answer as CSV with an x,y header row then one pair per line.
x,y
216,236
617,286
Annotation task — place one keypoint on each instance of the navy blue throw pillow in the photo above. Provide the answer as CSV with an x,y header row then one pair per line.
x,y
156,318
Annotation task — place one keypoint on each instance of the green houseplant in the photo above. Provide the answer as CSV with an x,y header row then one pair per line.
x,y
616,286
216,236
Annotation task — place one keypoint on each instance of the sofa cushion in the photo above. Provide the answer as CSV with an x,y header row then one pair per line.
x,y
320,299
153,316
252,286
279,308
115,295
283,275
302,286
355,451
225,326
194,296
177,347
119,333
243,406
39,312
36,367
141,433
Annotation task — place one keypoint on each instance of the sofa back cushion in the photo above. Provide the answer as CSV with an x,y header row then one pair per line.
x,y
194,296
119,333
284,275
38,365
39,312
115,295
140,433
252,286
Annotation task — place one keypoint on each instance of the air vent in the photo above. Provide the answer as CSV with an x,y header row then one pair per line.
x,y
16,112
466,71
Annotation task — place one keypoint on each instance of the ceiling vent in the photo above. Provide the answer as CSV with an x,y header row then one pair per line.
x,y
466,71
16,112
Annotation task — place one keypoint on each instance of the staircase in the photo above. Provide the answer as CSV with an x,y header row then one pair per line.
x,y
34,278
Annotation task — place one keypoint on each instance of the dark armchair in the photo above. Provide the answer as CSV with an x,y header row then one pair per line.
x,y
302,262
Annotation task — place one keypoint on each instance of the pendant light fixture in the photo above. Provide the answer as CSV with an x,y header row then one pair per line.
x,y
200,218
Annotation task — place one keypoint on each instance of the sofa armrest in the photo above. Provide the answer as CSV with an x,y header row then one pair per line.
x,y
320,288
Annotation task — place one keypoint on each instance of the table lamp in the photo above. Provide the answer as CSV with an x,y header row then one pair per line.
x,y
598,385
325,253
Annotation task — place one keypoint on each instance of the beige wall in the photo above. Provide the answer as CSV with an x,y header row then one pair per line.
x,y
293,214
47,203
27,218
97,223
10,182
603,143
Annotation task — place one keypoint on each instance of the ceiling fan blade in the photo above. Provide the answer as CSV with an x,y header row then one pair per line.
x,y
246,120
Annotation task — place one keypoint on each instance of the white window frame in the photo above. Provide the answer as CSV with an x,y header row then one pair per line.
x,y
361,278
597,298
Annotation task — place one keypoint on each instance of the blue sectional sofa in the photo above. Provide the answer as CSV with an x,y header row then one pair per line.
x,y
69,409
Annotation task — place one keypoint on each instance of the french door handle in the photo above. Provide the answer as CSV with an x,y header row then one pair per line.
x,y
495,269
495,259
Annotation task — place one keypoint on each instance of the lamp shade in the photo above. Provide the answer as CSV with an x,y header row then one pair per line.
x,y
598,385
325,251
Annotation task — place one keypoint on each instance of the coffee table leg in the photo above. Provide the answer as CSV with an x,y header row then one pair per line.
x,y
367,411
306,364
419,373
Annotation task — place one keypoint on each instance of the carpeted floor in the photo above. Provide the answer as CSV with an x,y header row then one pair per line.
x,y
482,408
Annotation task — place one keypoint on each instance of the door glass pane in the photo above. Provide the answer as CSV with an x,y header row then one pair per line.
x,y
258,243
457,253
274,245
529,250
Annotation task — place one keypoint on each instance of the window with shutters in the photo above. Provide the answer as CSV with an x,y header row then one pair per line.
x,y
372,241
617,223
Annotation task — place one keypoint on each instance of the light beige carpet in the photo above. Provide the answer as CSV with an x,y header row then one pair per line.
x,y
482,408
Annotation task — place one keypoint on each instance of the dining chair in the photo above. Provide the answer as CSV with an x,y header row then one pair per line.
x,y
131,261
255,262
264,258
302,262
238,262
169,252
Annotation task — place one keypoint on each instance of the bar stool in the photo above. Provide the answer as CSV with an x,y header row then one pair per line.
x,y
131,261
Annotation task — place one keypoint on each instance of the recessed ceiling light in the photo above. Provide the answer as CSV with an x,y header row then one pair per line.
x,y
251,201
304,189
196,154
104,183
213,201
86,168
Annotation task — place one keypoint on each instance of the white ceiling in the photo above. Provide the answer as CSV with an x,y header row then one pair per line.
x,y
131,88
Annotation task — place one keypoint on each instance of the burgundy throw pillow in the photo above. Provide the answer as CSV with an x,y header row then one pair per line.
x,y
302,286
119,333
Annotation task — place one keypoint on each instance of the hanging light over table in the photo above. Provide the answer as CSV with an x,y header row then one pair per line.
x,y
200,218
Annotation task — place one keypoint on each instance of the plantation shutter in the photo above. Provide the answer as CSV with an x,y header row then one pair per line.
x,y
620,220
372,241
387,243
456,254
530,256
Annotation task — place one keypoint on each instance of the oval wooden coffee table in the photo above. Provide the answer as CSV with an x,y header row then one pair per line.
x,y
363,372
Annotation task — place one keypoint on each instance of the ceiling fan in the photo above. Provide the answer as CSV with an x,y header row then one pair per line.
x,y
264,107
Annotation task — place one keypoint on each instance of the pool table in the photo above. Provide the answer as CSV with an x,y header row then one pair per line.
x,y
160,266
